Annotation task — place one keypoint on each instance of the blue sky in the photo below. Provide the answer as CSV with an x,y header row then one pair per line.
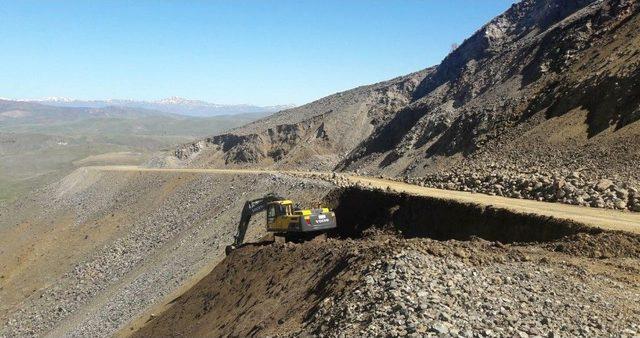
x,y
259,52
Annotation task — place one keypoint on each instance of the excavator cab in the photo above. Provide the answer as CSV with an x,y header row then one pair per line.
x,y
279,215
282,218
278,209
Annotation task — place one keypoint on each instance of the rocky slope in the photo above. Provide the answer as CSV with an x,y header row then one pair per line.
x,y
387,286
511,112
87,254
545,89
316,135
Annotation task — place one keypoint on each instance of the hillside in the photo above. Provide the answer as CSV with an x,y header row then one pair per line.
x,y
120,243
541,103
520,100
316,135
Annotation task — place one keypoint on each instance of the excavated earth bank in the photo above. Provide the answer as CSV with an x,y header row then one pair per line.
x,y
404,265
416,216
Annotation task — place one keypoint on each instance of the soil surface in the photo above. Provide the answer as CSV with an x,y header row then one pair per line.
x,y
86,255
385,284
406,264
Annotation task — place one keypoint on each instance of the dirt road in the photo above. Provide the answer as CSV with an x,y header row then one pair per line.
x,y
601,218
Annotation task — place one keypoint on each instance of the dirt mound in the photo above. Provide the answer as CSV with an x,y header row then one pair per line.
x,y
602,245
385,285
402,264
260,290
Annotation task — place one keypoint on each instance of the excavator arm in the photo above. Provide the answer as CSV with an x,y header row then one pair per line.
x,y
250,208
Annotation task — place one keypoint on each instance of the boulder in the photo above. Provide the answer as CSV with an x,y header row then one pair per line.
x,y
604,184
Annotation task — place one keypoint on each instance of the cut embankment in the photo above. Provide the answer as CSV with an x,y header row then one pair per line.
x,y
416,216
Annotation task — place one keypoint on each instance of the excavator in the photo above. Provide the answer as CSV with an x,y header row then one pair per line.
x,y
284,219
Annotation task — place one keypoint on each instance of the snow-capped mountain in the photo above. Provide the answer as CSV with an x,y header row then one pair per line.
x,y
174,104
183,101
56,99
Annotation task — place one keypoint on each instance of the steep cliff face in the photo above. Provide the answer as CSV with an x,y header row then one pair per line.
x,y
317,135
548,85
538,61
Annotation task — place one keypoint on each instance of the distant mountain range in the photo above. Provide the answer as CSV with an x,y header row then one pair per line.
x,y
38,117
174,105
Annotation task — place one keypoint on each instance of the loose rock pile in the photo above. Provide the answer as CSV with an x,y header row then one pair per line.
x,y
190,227
570,188
418,292
562,187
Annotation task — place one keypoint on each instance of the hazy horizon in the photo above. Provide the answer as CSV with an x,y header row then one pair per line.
x,y
156,100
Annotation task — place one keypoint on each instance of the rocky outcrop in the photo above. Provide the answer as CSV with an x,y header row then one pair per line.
x,y
273,145
315,135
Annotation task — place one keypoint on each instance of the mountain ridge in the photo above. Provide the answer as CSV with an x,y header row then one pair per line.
x,y
521,98
173,104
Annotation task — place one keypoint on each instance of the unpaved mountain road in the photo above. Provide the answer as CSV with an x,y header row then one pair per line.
x,y
601,218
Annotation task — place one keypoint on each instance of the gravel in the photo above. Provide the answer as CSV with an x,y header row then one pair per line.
x,y
555,186
424,290
536,184
165,247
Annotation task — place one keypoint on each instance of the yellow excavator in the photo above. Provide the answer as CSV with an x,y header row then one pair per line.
x,y
284,219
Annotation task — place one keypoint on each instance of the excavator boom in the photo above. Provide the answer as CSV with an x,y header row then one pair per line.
x,y
250,208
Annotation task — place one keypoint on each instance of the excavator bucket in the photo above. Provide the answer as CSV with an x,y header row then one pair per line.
x,y
228,249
